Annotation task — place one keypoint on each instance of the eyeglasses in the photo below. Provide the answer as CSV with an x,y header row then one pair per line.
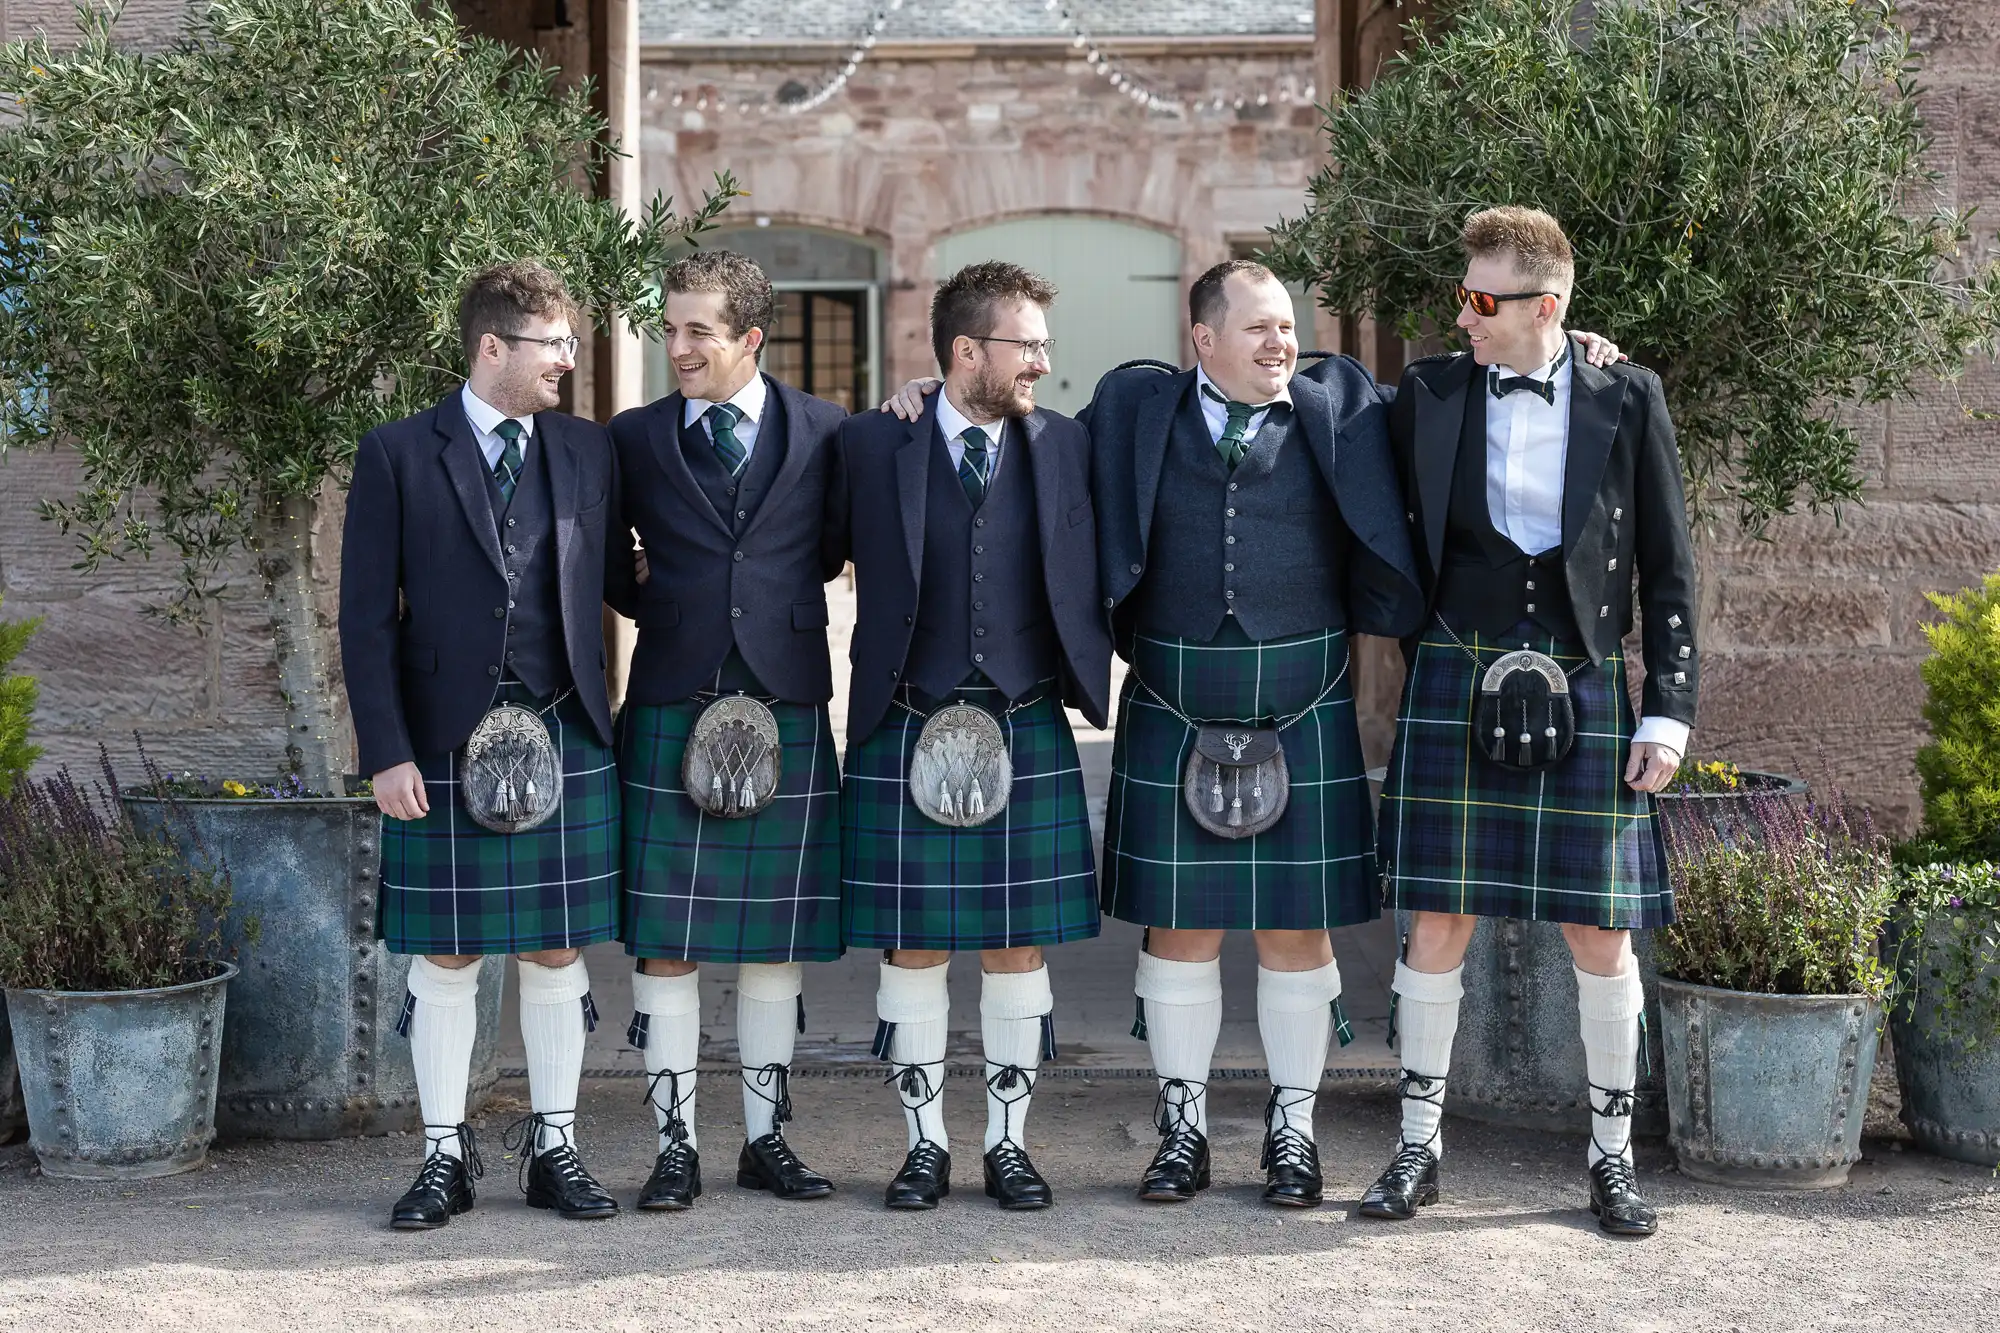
x,y
1032,349
1487,304
560,346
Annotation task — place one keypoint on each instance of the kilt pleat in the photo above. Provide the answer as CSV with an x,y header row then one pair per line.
x,y
1315,867
1461,834
452,887
1026,877
765,889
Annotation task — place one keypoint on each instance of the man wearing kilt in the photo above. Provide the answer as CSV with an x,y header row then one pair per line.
x,y
974,553
1250,523
473,575
726,480
1537,487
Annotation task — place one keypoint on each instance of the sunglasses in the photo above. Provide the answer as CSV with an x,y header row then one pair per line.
x,y
1487,304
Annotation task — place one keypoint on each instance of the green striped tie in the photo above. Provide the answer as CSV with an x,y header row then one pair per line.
x,y
976,466
1232,446
722,419
507,471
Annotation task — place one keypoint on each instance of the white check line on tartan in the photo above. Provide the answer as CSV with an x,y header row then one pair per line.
x,y
1012,883
1235,865
388,883
726,898
1592,894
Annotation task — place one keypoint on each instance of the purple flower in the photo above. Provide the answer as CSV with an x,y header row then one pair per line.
x,y
1957,901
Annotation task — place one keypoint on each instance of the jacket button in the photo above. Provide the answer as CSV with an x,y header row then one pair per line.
x,y
1230,540
892,675
909,620
1612,565
1232,485
741,514
1230,593
499,613
979,550
736,613
1673,622
1229,513
1686,652
737,556
510,522
1531,608
1603,611
979,657
510,549
1135,569
1680,677
493,671
1229,568
1410,516
979,578
979,633
1618,513
978,522
1531,585
1109,604
979,606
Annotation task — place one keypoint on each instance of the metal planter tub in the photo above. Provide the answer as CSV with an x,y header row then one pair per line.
x,y
1951,1095
1767,1091
120,1085
312,1051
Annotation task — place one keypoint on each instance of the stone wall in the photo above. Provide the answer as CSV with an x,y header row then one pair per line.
x,y
1812,641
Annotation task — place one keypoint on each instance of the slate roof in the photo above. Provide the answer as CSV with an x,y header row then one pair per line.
x,y
964,20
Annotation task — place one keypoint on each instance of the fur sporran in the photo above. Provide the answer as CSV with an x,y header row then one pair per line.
x,y
510,774
1237,784
1525,719
961,774
733,759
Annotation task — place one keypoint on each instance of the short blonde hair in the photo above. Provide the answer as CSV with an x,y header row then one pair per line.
x,y
1531,237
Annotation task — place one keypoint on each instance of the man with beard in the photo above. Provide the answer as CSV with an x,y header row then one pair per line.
x,y
473,576
1535,486
963,819
731,786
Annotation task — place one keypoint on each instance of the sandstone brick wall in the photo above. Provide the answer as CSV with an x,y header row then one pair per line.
x,y
1812,642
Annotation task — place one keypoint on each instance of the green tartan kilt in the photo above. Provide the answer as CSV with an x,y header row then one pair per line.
x,y
452,887
1461,834
1025,877
765,889
1315,868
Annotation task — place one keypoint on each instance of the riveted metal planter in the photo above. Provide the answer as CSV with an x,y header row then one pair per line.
x,y
1767,1091
312,1051
120,1085
1951,1096
1518,1059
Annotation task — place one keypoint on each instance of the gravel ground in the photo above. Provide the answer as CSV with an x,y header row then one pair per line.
x,y
294,1236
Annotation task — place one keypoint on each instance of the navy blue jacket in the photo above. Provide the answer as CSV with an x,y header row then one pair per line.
x,y
1345,418
884,473
423,598
759,585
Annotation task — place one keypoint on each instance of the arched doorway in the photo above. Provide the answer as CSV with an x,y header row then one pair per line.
x,y
1118,285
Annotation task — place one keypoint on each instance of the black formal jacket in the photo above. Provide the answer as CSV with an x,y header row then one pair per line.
x,y
1339,407
423,599
884,472
1622,506
696,575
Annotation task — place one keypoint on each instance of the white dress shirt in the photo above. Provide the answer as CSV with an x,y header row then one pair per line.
x,y
1527,456
484,417
1217,414
955,423
749,400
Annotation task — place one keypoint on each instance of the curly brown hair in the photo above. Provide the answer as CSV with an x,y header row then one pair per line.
x,y
966,303
1532,237
501,298
747,299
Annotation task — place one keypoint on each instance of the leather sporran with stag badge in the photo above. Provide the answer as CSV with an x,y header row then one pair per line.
x,y
1525,719
961,774
1237,784
510,775
733,759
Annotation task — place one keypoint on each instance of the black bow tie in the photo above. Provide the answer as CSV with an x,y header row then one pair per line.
x,y
1542,389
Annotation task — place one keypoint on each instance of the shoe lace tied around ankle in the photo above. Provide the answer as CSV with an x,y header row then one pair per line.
x,y
1416,1087
1173,1111
468,1148
777,1078
1283,1145
524,1136
1619,1103
914,1081
1021,1083
676,1128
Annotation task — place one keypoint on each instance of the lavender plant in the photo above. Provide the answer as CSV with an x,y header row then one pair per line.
x,y
1785,897
89,902
1948,949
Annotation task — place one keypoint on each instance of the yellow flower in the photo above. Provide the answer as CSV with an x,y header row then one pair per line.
x,y
234,788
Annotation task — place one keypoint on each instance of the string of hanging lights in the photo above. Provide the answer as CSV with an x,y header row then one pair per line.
x,y
795,97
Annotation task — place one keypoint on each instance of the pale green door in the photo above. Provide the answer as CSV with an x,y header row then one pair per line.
x,y
1119,293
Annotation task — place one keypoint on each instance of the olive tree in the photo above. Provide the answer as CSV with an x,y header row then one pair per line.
x,y
1745,185
229,259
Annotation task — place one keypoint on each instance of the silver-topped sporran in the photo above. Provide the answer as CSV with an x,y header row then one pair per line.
x,y
1525,716
1236,784
961,774
733,758
510,773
